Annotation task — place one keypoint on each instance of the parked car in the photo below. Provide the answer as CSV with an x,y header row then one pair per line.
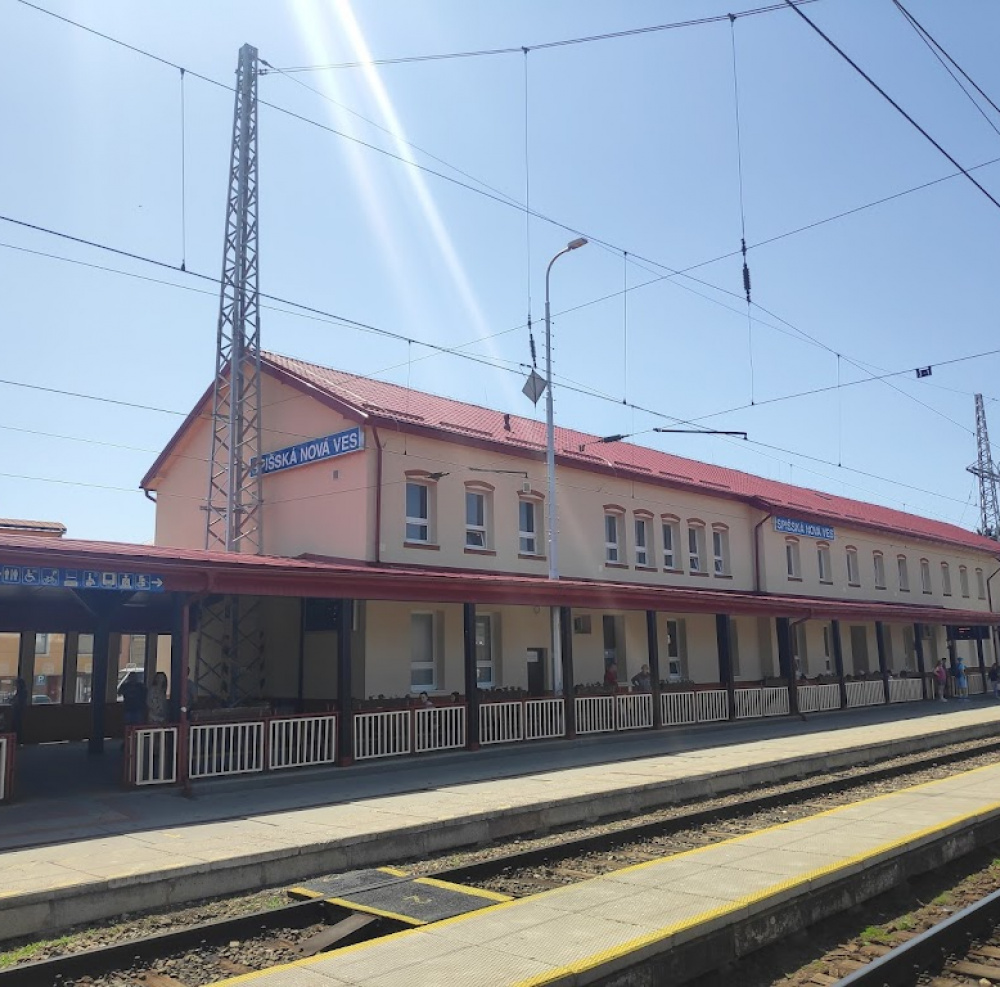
x,y
41,701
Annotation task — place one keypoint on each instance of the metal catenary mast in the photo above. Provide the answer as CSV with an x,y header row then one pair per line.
x,y
229,665
986,470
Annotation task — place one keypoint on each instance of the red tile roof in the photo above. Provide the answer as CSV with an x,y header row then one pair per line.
x,y
380,401
29,527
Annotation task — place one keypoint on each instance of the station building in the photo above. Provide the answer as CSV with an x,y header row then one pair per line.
x,y
404,552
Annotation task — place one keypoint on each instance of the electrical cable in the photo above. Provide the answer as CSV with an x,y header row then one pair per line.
x,y
899,109
183,182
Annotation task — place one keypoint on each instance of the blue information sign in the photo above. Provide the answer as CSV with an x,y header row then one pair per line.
x,y
32,576
790,526
313,451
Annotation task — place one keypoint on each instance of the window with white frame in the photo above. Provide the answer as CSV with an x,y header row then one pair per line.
x,y
878,565
720,550
642,540
614,551
793,561
477,517
904,574
671,536
696,546
945,579
925,576
963,580
485,678
528,527
853,570
827,646
423,652
418,512
824,562
980,584
675,670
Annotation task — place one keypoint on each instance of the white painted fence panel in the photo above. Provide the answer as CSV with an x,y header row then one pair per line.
x,y
297,741
595,714
635,711
749,703
829,696
500,723
154,756
218,749
713,705
867,693
808,698
774,701
904,690
438,728
381,734
678,707
976,685
544,719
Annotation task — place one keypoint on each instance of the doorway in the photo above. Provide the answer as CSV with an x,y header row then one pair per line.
x,y
859,649
614,642
536,671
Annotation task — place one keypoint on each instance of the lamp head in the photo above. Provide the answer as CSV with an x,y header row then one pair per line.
x,y
575,244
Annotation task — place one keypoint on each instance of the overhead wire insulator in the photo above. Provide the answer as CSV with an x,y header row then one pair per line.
x,y
746,271
531,343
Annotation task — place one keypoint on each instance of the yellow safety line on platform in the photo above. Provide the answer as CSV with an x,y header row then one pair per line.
x,y
464,889
596,959
371,910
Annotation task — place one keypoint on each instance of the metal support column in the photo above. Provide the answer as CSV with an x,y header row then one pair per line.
x,y
981,657
918,647
723,637
471,677
568,682
71,653
653,656
838,660
883,665
345,716
99,683
178,686
783,627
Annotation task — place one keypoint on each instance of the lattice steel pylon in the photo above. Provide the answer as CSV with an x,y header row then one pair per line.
x,y
986,470
229,665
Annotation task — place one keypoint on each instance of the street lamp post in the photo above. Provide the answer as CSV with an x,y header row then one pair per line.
x,y
550,459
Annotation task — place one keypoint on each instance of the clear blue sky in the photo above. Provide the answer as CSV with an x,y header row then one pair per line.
x,y
631,140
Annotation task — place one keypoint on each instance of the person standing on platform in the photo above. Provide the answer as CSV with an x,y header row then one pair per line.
x,y
940,677
994,674
611,676
641,681
961,681
133,693
157,707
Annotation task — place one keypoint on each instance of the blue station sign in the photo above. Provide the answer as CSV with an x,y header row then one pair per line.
x,y
48,578
313,451
791,526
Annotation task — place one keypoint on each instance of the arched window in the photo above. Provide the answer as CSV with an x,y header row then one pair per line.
x,y
853,572
793,562
925,576
945,579
720,550
824,562
904,574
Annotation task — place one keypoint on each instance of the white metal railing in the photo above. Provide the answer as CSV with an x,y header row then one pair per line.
x,y
384,734
635,711
749,703
500,723
7,745
816,698
904,690
678,707
712,705
544,719
296,741
226,748
595,714
774,701
866,693
438,728
976,684
154,756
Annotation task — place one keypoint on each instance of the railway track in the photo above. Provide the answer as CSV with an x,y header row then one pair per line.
x,y
230,946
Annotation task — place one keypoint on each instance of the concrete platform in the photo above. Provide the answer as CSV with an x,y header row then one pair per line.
x,y
629,926
160,849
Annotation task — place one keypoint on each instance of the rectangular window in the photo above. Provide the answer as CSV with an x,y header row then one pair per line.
x,y
720,551
528,537
669,545
674,669
945,579
793,563
641,539
853,573
879,565
612,551
475,520
825,567
484,651
963,580
418,520
925,575
980,584
695,548
904,574
423,668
